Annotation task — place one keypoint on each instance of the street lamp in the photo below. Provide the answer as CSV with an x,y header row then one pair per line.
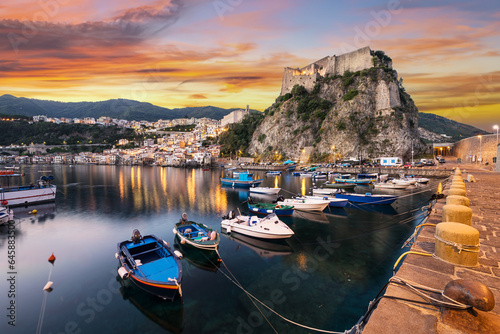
x,y
334,157
480,148
495,127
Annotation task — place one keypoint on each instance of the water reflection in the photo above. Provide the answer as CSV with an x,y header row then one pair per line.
x,y
265,248
167,314
202,259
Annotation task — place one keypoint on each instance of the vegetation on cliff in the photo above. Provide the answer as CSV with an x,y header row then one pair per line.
x,y
236,139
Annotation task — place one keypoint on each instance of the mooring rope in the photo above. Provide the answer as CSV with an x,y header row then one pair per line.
x,y
269,308
44,305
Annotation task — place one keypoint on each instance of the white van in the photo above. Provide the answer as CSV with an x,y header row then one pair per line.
x,y
391,161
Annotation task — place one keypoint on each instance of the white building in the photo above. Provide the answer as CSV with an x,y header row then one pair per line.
x,y
234,117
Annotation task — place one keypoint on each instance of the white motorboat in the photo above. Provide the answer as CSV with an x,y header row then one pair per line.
x,y
268,227
325,191
334,202
265,190
305,204
5,215
391,185
403,182
306,174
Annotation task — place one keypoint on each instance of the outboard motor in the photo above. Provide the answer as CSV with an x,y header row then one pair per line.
x,y
250,199
136,236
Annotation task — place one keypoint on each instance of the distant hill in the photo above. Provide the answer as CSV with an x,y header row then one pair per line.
x,y
117,108
442,125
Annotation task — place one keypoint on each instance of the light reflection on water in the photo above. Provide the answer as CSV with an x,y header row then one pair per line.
x,y
326,274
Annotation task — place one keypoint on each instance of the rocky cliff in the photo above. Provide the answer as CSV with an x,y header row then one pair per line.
x,y
364,114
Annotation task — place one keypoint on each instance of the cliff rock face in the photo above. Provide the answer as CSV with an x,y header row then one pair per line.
x,y
365,114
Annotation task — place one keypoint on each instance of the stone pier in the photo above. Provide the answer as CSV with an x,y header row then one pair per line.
x,y
397,316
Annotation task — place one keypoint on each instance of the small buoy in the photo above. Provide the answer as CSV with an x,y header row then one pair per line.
x,y
48,285
123,273
178,254
52,258
34,212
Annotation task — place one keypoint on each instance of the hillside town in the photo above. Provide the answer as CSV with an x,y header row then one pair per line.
x,y
166,148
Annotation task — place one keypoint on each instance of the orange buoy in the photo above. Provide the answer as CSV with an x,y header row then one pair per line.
x,y
52,258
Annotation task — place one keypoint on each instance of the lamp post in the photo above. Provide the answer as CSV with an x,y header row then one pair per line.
x,y
480,148
495,127
334,157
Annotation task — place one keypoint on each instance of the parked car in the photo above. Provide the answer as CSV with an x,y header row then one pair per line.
x,y
442,161
430,163
407,165
419,164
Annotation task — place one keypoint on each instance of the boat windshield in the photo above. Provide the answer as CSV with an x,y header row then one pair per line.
x,y
272,216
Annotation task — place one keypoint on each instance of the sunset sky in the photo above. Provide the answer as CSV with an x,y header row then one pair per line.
x,y
230,53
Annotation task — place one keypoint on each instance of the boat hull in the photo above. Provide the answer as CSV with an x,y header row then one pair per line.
x,y
370,199
26,195
339,185
355,181
265,190
334,202
285,211
240,183
306,205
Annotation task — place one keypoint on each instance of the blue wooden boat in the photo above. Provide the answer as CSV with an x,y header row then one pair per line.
x,y
269,208
244,180
367,198
151,265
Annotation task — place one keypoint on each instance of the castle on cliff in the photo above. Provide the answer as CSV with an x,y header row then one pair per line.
x,y
335,65
387,95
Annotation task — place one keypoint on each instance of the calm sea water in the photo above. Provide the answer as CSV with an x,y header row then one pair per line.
x,y
323,277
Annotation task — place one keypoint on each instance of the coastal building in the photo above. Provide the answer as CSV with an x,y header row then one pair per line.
x,y
234,117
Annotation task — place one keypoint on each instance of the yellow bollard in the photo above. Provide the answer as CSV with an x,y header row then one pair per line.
x,y
457,213
458,185
458,200
455,191
457,243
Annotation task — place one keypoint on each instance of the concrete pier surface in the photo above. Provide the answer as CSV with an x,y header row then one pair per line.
x,y
398,316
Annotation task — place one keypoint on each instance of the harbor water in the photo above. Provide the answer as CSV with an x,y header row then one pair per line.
x,y
323,277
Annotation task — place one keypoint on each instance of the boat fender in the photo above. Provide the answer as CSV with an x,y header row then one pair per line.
x,y
173,231
123,272
116,255
166,243
213,235
183,241
48,285
138,263
178,254
228,229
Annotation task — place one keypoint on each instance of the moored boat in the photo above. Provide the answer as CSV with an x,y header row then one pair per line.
x,y
367,198
391,185
305,204
196,235
6,215
325,191
354,181
269,227
339,185
270,208
151,264
244,179
265,190
333,201
39,192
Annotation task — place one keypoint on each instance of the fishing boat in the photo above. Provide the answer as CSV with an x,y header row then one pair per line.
x,y
268,227
334,202
151,264
265,190
305,204
339,185
422,180
6,215
244,179
39,192
367,198
319,175
391,185
274,173
270,208
196,235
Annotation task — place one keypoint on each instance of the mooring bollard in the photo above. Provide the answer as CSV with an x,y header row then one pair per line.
x,y
457,191
457,213
458,200
457,243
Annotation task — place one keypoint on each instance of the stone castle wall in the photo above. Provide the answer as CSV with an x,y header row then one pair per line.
x,y
335,65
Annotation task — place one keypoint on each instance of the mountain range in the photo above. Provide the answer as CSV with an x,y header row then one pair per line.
x,y
135,110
